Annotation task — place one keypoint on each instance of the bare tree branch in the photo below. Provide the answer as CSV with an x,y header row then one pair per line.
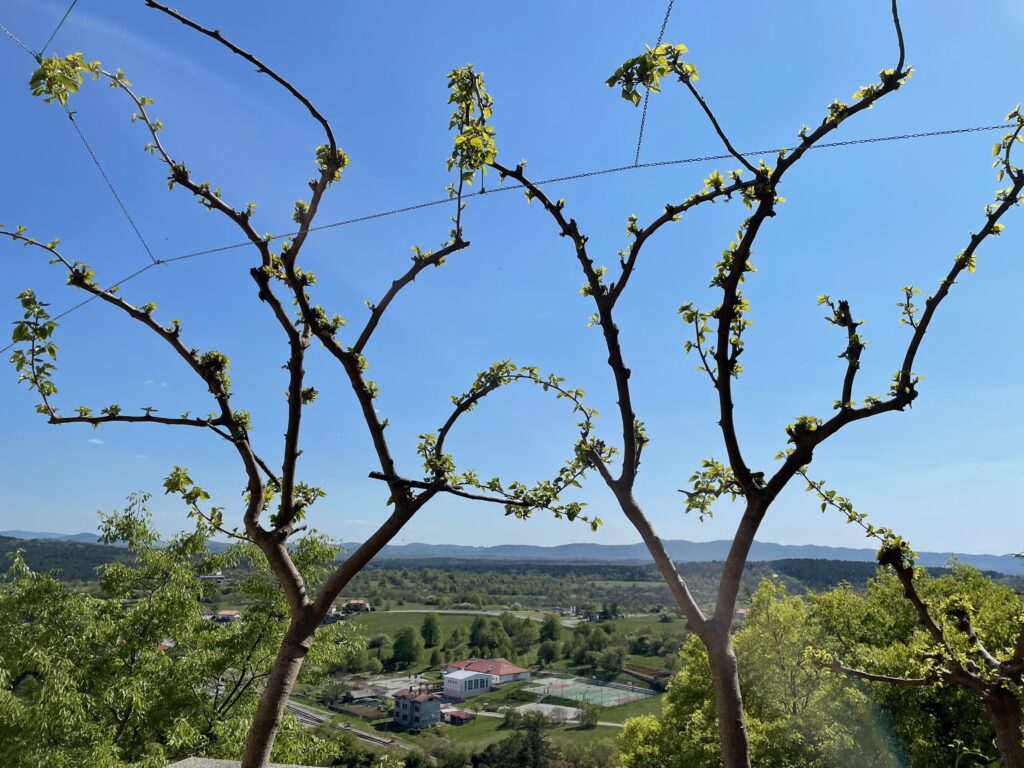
x,y
688,82
419,264
260,66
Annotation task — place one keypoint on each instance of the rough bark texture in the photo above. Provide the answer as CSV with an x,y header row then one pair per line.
x,y
270,710
732,725
1004,709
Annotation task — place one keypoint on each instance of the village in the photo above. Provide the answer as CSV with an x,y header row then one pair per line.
x,y
441,692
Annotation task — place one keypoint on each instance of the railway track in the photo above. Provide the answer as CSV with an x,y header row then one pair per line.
x,y
311,718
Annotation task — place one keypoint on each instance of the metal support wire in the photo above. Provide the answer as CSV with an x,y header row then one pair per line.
x,y
110,186
71,116
154,262
647,92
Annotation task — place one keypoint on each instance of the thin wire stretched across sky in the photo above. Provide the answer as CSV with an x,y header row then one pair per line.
x,y
156,262
647,91
543,182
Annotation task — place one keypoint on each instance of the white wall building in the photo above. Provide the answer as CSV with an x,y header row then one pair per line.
x,y
462,684
500,670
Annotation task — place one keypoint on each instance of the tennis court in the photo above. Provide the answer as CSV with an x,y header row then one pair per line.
x,y
579,690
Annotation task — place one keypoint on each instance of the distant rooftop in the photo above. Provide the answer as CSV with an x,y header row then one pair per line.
x,y
498,666
463,674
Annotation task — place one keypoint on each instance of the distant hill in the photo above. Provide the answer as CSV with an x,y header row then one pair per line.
x,y
73,560
90,538
682,551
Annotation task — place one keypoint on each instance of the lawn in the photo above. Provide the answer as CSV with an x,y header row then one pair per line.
x,y
482,731
647,706
389,622
650,624
651,662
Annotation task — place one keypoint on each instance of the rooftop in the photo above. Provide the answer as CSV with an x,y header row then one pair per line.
x,y
463,674
497,666
405,693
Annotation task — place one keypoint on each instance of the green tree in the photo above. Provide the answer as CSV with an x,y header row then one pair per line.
x,y
548,652
797,717
589,715
526,748
551,627
135,676
277,500
488,638
407,648
477,630
430,630
944,657
611,660
718,340
524,637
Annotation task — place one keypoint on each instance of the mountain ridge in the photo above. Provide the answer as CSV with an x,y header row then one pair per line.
x,y
679,550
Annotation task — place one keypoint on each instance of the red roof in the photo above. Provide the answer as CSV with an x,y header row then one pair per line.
x,y
499,667
405,693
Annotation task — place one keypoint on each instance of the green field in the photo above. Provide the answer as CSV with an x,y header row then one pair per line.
x,y
482,731
389,622
651,705
478,733
650,624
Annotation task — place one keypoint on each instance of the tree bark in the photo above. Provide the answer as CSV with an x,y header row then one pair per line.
x,y
732,725
1004,709
274,699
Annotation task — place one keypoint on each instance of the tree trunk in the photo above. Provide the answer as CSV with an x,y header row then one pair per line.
x,y
1004,709
732,726
274,698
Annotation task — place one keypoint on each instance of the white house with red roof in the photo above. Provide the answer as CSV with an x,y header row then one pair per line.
x,y
471,677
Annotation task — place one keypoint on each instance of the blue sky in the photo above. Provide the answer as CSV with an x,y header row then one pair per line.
x,y
859,223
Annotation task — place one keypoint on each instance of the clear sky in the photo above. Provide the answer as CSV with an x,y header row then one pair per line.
x,y
859,223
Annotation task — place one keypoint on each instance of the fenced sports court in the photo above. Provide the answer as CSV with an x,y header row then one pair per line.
x,y
605,695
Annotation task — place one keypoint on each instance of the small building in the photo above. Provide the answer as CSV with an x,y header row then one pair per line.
x,y
362,694
454,716
355,606
461,684
227,617
501,670
416,709
207,614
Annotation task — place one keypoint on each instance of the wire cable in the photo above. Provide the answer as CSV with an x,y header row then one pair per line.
x,y
154,262
57,28
647,92
110,186
554,180
587,175
20,44
92,298
78,130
